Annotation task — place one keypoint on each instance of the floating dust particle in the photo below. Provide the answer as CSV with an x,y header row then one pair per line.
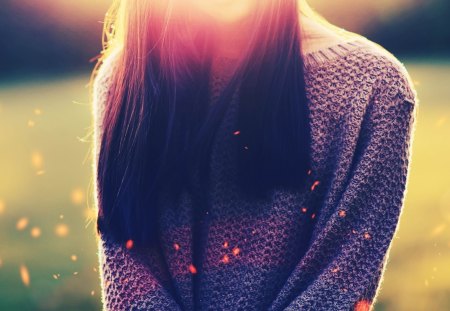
x,y
22,223
37,160
192,269
225,259
25,275
314,185
2,207
77,196
236,251
129,244
362,305
35,232
61,230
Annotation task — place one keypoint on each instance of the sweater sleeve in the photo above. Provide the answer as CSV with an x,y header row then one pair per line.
x,y
344,264
130,279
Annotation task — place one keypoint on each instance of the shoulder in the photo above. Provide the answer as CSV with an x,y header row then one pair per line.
x,y
393,101
391,78
363,64
102,83
101,87
103,75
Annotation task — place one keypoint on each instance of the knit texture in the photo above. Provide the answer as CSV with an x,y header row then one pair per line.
x,y
322,247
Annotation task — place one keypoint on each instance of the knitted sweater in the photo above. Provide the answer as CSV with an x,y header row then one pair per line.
x,y
322,247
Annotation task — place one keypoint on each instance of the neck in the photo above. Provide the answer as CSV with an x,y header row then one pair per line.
x,y
232,38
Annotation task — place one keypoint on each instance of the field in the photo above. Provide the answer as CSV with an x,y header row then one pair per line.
x,y
46,199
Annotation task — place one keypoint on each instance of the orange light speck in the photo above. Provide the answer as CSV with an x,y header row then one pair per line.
x,y
61,230
176,246
367,235
334,270
225,244
225,259
236,251
74,257
314,185
24,275
77,196
129,244
362,305
192,269
22,223
304,209
2,206
37,160
342,213
35,232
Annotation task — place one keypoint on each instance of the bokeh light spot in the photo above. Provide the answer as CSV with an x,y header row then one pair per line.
x,y
25,275
22,223
77,196
61,230
35,232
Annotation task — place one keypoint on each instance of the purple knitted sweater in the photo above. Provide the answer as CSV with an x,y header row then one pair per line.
x,y
323,247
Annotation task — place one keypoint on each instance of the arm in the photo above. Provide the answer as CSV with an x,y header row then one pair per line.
x,y
343,266
130,279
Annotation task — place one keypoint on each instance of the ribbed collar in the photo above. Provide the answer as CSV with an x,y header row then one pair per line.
x,y
311,59
324,55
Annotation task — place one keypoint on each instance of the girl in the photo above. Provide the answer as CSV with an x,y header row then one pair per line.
x,y
248,156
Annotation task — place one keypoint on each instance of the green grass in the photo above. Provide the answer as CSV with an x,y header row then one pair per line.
x,y
418,270
60,135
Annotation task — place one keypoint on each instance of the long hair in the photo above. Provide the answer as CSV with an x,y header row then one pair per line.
x,y
157,129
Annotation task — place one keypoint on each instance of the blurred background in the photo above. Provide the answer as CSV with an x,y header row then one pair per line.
x,y
48,256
